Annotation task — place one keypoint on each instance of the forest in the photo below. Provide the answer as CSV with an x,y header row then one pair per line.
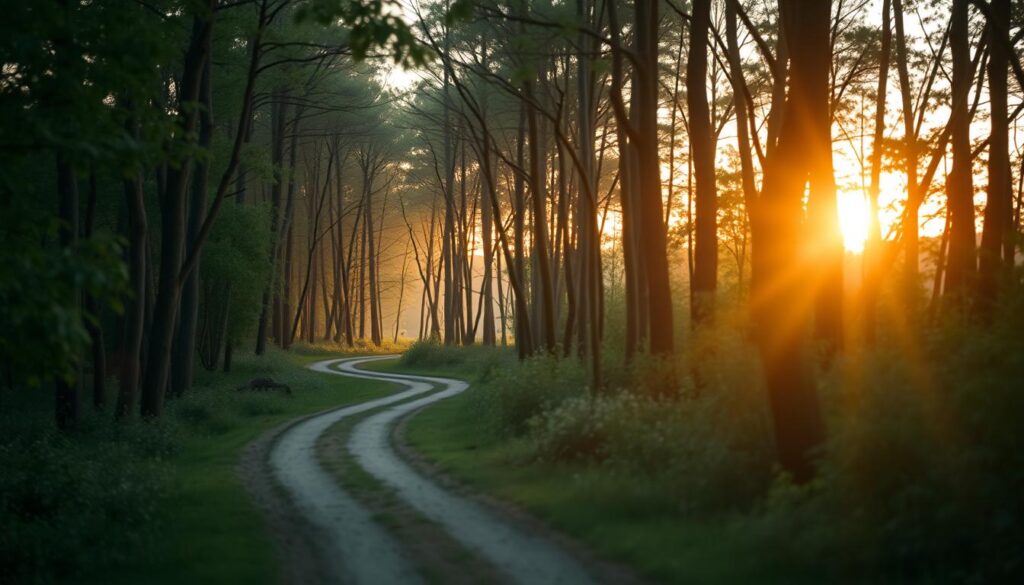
x,y
622,291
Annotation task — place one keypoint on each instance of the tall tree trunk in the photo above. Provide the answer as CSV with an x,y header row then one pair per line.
x,y
524,341
270,311
705,265
911,220
873,247
822,206
781,299
286,335
306,301
998,224
739,88
635,280
362,275
961,264
401,293
184,351
135,309
448,236
653,237
543,294
346,276
486,220
286,246
588,291
371,251
165,307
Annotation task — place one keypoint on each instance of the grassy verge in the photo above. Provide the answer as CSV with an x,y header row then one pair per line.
x,y
230,545
183,515
395,366
636,521
670,466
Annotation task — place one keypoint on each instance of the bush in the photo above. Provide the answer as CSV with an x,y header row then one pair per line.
x,y
513,395
72,504
922,475
477,361
709,449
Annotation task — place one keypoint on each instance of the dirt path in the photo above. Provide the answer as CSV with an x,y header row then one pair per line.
x,y
358,549
520,556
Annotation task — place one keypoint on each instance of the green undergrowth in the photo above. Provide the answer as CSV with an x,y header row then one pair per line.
x,y
152,502
670,468
475,362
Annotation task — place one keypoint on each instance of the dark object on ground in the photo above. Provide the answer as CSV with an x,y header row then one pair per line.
x,y
264,384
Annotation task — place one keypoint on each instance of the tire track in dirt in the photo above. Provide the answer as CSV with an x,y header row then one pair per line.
x,y
520,556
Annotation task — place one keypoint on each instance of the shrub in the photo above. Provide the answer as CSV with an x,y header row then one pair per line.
x,y
710,465
71,504
513,395
921,477
477,361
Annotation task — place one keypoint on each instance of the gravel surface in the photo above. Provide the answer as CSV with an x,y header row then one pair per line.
x,y
356,548
522,557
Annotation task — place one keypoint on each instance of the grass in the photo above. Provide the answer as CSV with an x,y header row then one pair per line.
x,y
203,527
626,519
395,366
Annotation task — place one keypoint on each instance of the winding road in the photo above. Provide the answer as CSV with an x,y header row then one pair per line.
x,y
358,548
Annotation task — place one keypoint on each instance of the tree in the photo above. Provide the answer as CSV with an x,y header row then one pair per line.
x,y
705,274
997,250
961,265
781,298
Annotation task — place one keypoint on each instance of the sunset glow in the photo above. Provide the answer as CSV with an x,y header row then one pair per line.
x,y
854,219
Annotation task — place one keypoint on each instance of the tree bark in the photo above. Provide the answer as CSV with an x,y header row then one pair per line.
x,y
165,307
183,359
872,249
911,220
135,309
702,149
653,237
271,297
996,254
781,300
961,264
543,294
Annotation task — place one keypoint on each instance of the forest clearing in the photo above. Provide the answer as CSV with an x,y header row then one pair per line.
x,y
471,291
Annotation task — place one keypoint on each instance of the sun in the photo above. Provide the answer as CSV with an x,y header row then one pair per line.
x,y
853,221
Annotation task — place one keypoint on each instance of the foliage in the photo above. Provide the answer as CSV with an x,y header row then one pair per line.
x,y
116,498
515,395
237,253
923,465
43,328
71,504
371,24
711,446
481,361
679,443
920,481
